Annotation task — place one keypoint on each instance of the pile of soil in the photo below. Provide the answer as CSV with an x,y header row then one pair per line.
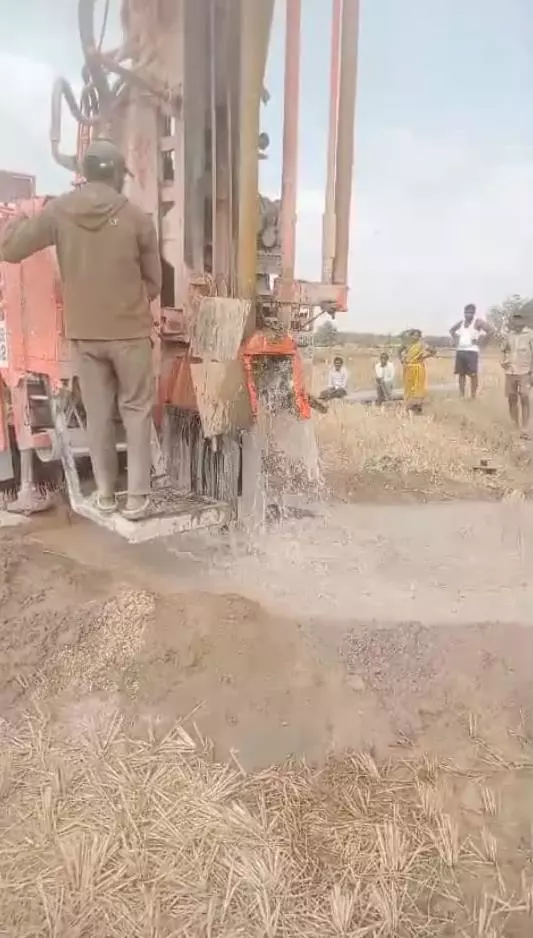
x,y
70,634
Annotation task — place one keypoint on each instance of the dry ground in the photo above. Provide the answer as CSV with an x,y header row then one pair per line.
x,y
381,454
117,819
364,677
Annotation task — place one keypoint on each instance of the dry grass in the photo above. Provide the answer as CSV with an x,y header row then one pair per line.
x,y
106,835
435,453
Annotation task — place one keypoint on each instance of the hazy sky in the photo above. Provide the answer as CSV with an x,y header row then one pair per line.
x,y
443,194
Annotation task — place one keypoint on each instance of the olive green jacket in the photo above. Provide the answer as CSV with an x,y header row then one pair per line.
x,y
108,259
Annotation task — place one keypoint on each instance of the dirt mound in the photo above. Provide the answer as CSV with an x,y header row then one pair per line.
x,y
61,625
252,680
69,632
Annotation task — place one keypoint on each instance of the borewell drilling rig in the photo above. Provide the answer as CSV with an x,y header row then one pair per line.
x,y
182,98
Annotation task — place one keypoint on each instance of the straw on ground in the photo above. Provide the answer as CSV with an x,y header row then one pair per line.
x,y
105,834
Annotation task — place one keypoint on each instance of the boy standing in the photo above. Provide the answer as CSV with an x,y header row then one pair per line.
x,y
385,374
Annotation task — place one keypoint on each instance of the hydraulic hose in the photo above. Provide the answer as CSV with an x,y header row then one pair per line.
x,y
91,50
63,91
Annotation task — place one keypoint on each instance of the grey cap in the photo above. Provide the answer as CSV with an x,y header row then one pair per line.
x,y
104,154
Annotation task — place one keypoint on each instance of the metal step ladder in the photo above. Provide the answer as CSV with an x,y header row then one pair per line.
x,y
171,511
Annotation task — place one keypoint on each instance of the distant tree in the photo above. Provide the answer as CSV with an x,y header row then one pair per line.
x,y
498,316
326,335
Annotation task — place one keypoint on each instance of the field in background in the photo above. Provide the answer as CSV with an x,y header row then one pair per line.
x,y
360,363
376,453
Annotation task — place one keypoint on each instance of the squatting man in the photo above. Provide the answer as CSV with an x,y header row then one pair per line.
x,y
337,381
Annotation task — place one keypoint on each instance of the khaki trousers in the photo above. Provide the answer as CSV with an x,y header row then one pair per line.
x,y
111,372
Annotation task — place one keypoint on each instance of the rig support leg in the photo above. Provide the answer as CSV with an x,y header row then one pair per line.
x,y
31,497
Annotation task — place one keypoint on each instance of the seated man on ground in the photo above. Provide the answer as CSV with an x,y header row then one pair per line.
x,y
337,381
385,374
517,363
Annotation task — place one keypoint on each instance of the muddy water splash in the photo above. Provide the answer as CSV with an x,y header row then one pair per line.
x,y
286,447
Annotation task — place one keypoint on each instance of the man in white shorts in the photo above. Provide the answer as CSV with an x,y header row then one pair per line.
x,y
466,335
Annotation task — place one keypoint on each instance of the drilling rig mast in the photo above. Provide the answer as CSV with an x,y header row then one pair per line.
x,y
182,98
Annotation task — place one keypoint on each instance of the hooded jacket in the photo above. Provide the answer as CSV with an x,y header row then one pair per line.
x,y
108,259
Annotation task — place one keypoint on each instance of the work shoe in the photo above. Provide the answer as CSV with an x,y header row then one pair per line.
x,y
137,507
30,501
106,504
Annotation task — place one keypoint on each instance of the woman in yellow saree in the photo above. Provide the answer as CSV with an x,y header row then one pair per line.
x,y
413,355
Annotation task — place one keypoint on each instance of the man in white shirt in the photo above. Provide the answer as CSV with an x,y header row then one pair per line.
x,y
385,374
337,381
466,335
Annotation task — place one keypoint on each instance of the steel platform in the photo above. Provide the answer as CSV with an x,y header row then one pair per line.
x,y
171,512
